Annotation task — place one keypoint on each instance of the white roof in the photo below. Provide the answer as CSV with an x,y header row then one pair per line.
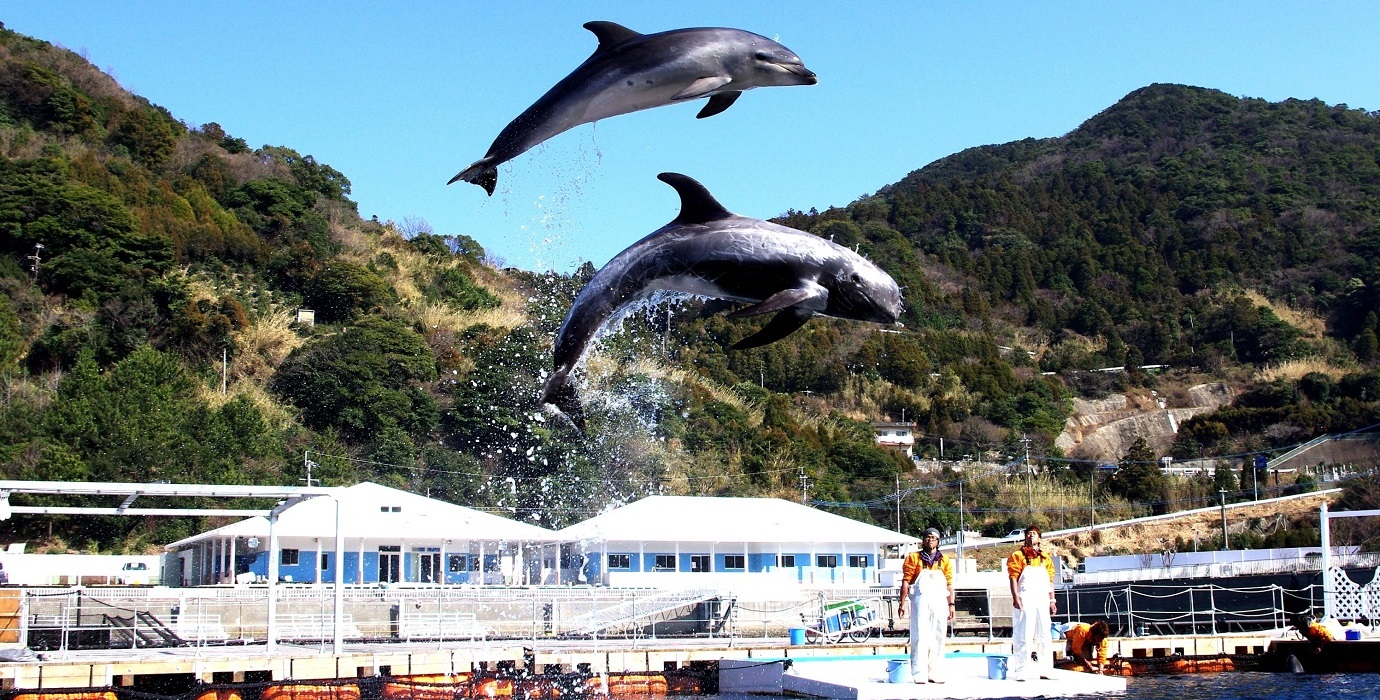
x,y
419,518
712,519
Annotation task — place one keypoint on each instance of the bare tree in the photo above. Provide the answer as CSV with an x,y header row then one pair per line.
x,y
414,226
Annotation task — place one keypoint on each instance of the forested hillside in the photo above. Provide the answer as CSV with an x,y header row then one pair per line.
x,y
153,271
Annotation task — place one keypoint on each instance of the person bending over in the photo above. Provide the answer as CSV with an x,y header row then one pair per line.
x,y
1087,644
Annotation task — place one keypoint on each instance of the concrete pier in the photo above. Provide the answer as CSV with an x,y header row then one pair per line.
x,y
227,664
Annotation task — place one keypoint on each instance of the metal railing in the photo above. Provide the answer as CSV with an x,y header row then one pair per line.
x,y
61,619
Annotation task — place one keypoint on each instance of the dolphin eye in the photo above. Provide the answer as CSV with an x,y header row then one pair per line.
x,y
857,278
762,56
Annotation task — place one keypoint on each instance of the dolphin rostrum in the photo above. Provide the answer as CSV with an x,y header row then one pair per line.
x,y
631,71
709,251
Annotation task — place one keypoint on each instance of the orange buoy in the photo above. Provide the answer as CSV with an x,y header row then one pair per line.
x,y
438,686
536,688
491,687
684,684
627,685
651,684
311,691
596,687
221,694
74,695
656,684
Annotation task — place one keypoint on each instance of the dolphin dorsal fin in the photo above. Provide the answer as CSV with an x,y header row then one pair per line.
x,y
697,206
610,34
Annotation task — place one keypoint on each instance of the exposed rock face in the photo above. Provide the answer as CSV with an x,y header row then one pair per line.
x,y
1103,429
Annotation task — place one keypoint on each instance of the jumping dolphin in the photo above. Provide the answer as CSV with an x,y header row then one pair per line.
x,y
712,252
631,71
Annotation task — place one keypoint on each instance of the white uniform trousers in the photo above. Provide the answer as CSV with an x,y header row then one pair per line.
x,y
1030,625
929,616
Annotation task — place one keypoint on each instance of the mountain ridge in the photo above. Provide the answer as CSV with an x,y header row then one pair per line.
x,y
168,247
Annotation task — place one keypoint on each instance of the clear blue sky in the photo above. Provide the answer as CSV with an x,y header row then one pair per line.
x,y
400,96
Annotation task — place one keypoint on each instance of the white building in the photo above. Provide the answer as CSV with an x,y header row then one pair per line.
x,y
895,436
391,536
687,541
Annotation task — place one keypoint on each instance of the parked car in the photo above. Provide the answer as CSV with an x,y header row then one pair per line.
x,y
1015,535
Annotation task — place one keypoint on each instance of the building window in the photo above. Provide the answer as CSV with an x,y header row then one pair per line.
x,y
665,562
857,561
457,563
390,509
786,560
325,561
620,561
288,557
826,561
390,563
699,562
733,561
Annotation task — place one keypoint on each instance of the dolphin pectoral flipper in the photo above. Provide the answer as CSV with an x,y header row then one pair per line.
x,y
719,103
780,326
780,300
702,87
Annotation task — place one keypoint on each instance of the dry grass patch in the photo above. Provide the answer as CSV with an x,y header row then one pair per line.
x,y
1296,369
267,341
1311,324
274,413
439,318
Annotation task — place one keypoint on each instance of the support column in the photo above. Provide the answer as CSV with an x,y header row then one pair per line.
x,y
272,643
1329,586
338,639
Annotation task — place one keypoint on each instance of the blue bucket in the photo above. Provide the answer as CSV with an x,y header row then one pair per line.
x,y
1353,635
996,668
897,671
797,636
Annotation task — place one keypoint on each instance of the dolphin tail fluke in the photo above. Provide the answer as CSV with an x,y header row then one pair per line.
x,y
559,393
780,326
483,173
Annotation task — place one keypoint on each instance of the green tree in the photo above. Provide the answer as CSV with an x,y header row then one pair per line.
x,y
362,380
149,134
1138,478
341,291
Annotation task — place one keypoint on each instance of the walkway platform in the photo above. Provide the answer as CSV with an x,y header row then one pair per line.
x,y
865,678
238,663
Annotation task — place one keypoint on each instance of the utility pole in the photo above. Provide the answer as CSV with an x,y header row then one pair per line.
x,y
898,502
35,260
1092,496
306,462
960,518
1029,475
804,501
1226,544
